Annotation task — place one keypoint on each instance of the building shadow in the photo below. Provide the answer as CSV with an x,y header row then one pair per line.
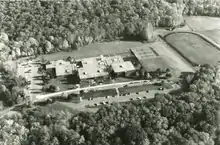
x,y
72,79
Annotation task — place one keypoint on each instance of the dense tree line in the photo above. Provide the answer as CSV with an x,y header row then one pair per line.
x,y
189,118
202,7
37,27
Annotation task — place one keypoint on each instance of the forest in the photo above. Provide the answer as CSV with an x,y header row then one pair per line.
x,y
39,27
191,117
13,88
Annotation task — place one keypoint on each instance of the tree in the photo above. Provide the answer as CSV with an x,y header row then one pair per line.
x,y
135,135
147,32
65,44
48,47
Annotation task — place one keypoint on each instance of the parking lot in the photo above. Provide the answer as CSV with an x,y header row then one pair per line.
x,y
124,98
29,70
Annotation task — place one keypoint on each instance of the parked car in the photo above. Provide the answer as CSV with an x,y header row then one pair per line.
x,y
107,102
137,93
107,97
160,88
95,104
131,99
145,97
102,103
139,98
147,91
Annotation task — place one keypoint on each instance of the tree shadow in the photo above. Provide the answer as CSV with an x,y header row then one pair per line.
x,y
39,84
36,92
131,38
37,77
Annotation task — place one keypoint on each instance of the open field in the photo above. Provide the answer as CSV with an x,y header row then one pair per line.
x,y
212,34
95,49
193,48
203,23
99,93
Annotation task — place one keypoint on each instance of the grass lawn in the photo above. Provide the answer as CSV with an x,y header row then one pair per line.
x,y
99,93
95,49
202,23
63,106
193,48
213,34
135,89
152,64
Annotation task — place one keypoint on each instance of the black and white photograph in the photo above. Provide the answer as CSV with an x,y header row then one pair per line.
x,y
110,72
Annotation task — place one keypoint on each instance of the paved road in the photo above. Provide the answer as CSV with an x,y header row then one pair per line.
x,y
105,86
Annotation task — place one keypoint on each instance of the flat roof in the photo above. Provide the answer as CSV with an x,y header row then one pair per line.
x,y
92,67
143,52
122,67
113,59
62,67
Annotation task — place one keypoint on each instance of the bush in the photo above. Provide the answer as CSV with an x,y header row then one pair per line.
x,y
51,88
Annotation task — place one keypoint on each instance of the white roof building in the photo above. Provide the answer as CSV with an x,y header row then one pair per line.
x,y
92,67
62,67
123,67
113,59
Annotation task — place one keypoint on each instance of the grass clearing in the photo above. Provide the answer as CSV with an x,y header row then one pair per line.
x,y
203,23
63,106
95,49
212,34
193,48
